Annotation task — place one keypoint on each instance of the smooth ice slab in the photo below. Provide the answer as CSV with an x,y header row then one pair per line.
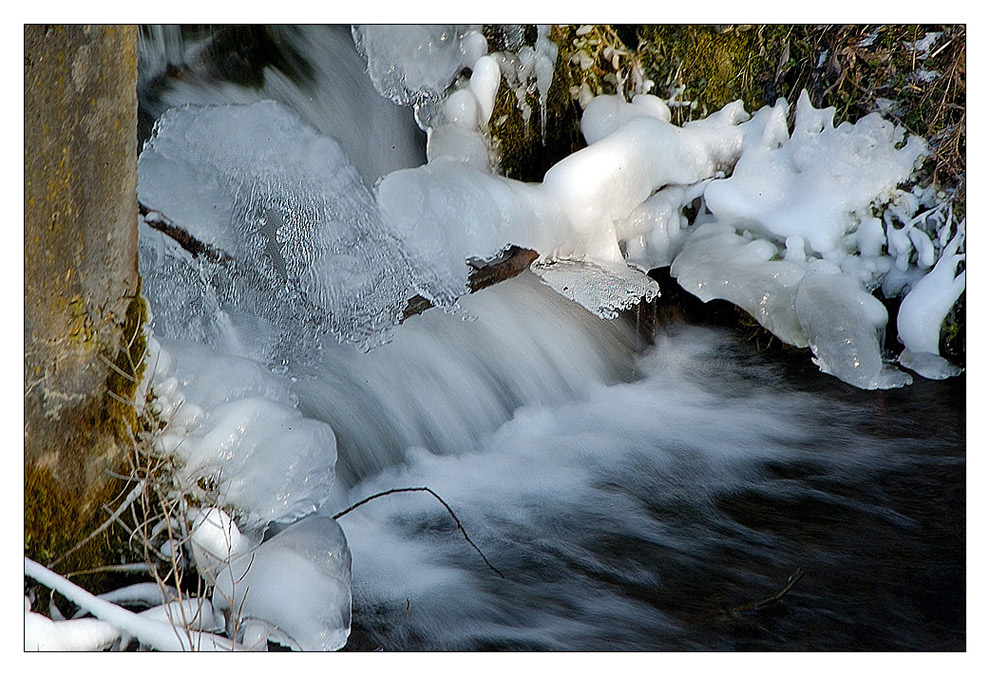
x,y
718,263
305,249
844,325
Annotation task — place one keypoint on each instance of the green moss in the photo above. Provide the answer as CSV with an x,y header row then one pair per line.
x,y
56,515
715,65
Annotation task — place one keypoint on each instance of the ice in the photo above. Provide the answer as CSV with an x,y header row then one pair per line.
x,y
241,440
298,581
409,64
306,254
148,630
652,235
602,184
844,327
325,90
446,212
924,309
545,58
817,183
457,133
347,260
604,289
716,262
606,113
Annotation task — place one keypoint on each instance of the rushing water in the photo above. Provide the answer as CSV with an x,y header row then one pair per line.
x,y
634,516
638,499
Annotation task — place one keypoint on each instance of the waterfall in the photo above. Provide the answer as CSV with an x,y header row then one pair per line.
x,y
631,496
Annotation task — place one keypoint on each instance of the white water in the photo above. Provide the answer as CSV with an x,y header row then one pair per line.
x,y
622,495
620,517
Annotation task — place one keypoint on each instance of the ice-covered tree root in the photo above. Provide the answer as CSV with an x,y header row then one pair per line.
x,y
160,635
423,489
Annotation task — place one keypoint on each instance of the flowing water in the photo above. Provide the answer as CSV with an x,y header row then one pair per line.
x,y
631,497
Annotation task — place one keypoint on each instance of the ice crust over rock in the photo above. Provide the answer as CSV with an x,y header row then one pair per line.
x,y
294,588
816,181
238,435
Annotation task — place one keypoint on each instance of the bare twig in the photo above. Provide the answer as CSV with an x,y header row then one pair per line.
x,y
423,489
794,578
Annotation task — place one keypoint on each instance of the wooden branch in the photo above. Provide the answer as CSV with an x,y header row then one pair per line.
x,y
163,224
794,578
442,502
514,261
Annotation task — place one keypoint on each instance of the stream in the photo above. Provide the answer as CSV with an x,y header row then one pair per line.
x,y
690,492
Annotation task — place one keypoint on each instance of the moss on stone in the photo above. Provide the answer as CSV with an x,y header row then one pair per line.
x,y
716,65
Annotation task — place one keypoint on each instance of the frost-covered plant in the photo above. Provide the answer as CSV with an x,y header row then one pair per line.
x,y
606,65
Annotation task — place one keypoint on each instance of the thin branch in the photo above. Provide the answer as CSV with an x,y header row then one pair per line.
x,y
116,368
118,568
794,578
183,238
423,489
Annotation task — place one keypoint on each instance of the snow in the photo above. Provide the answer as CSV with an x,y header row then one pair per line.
x,y
148,630
41,633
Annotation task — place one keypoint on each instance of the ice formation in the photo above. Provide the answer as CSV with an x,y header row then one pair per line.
x,y
237,432
303,252
410,64
293,588
243,446
380,140
348,260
